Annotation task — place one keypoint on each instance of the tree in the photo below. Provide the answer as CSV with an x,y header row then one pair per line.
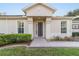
x,y
73,13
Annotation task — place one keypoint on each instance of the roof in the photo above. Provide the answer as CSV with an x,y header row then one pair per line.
x,y
25,17
43,4
13,17
76,17
61,17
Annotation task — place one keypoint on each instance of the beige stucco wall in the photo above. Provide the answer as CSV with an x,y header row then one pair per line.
x,y
10,26
39,10
75,30
3,26
56,28
53,28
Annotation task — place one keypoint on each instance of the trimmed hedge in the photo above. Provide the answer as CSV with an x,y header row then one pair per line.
x,y
14,38
75,34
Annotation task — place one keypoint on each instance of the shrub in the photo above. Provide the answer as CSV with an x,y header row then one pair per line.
x,y
75,34
68,38
23,37
13,38
57,38
2,41
9,38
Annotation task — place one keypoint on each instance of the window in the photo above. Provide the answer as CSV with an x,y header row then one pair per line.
x,y
20,27
75,26
63,26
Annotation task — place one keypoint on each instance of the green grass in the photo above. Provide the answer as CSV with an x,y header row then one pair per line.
x,y
23,51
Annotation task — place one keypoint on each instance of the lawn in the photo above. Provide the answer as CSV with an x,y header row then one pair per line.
x,y
23,51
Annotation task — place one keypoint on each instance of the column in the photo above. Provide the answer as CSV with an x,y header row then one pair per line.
x,y
30,26
48,28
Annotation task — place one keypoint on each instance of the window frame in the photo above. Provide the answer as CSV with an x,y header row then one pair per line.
x,y
20,27
63,27
75,27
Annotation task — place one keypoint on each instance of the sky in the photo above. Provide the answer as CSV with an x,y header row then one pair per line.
x,y
16,8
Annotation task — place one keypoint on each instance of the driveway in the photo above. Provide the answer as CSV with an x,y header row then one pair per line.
x,y
45,43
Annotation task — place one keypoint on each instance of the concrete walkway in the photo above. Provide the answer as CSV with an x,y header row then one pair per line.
x,y
64,44
43,43
40,42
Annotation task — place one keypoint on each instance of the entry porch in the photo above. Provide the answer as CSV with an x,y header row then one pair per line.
x,y
39,27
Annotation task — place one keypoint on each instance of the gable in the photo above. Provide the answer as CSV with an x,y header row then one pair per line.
x,y
39,10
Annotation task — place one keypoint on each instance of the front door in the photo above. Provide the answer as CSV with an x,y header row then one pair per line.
x,y
40,29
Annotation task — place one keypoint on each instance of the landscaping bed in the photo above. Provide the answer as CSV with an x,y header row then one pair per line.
x,y
61,39
74,37
7,39
27,43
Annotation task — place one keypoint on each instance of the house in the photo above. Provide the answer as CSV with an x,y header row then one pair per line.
x,y
39,21
75,24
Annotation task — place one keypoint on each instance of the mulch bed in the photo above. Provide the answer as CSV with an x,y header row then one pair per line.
x,y
28,43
